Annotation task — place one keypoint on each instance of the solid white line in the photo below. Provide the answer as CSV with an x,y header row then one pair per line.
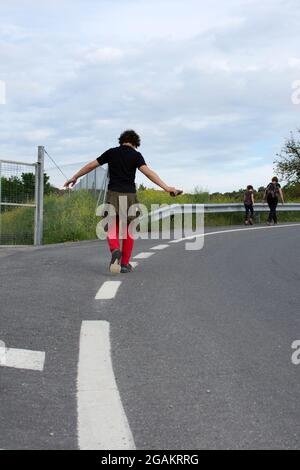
x,y
102,423
143,255
159,247
233,230
22,359
108,290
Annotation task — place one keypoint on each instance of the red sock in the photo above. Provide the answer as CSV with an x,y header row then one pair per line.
x,y
113,235
127,247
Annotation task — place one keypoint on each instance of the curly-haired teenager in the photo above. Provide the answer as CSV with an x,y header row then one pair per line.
x,y
123,161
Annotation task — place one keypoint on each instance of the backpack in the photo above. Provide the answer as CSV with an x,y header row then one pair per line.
x,y
248,198
272,191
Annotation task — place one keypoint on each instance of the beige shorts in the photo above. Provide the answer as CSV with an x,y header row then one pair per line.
x,y
121,205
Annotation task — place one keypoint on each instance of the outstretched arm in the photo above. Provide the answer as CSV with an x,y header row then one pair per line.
x,y
84,170
152,176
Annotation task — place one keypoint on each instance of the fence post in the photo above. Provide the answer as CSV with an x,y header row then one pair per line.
x,y
39,197
0,202
0,183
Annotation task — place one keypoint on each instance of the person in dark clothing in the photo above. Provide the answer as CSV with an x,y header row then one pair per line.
x,y
249,203
123,161
272,192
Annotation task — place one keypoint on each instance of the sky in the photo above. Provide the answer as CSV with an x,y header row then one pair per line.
x,y
207,84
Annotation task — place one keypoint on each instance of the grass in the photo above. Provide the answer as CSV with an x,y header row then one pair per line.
x,y
72,217
16,226
66,218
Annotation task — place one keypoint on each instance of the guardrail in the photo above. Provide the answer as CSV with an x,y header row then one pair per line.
x,y
239,207
167,211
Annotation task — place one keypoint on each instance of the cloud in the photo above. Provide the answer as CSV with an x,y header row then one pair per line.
x,y
207,84
38,135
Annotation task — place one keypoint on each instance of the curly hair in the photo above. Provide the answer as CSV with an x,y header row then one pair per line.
x,y
130,137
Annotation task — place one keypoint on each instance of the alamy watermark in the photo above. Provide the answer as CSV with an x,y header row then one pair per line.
x,y
163,222
2,353
296,354
2,92
295,96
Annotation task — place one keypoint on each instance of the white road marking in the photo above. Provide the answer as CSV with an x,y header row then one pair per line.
x,y
22,359
134,264
143,255
159,247
108,290
102,423
244,229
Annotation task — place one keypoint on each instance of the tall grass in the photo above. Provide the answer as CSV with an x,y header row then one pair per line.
x,y
66,218
153,196
70,217
16,226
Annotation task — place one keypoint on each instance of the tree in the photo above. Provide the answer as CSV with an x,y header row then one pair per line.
x,y
288,164
47,186
22,189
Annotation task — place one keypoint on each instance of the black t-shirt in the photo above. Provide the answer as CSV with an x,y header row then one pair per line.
x,y
122,164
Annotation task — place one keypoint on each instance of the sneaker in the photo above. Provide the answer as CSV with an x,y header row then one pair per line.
x,y
115,266
126,268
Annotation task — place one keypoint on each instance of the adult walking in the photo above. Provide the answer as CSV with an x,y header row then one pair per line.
x,y
123,161
272,192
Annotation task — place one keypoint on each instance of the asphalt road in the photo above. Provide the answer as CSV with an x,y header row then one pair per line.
x,y
201,341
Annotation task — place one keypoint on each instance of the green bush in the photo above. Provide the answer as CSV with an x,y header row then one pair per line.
x,y
70,217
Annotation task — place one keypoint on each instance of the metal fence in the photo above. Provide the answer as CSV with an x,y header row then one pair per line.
x,y
96,181
21,187
239,207
219,209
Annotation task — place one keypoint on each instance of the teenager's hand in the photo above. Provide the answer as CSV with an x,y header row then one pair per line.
x,y
170,189
175,192
71,182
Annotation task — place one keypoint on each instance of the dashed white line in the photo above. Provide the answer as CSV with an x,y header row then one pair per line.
x,y
22,359
102,423
159,247
108,290
143,255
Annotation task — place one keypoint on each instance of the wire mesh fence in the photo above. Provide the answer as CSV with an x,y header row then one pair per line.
x,y
35,208
70,215
17,202
96,182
